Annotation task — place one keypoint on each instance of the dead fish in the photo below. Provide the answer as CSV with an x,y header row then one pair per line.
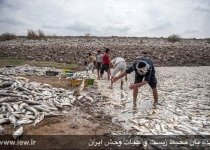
x,y
177,132
51,114
40,108
30,117
79,89
72,101
3,109
12,118
66,104
89,98
4,120
18,133
115,104
2,116
49,107
124,111
38,119
23,89
22,106
31,102
31,109
136,127
80,97
124,102
7,99
24,121
2,130
134,121
29,113
57,104
22,78
15,106
9,108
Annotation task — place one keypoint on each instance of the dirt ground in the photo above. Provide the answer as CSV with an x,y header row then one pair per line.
x,y
77,121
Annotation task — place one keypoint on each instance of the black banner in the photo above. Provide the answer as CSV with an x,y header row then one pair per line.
x,y
64,142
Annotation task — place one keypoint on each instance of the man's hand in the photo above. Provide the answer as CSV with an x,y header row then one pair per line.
x,y
133,86
115,79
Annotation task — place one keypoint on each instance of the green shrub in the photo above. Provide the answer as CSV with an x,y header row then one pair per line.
x,y
7,36
174,38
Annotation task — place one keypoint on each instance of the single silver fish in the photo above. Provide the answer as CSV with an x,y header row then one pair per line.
x,y
40,108
39,118
18,133
4,120
12,118
57,104
31,109
79,89
2,130
24,121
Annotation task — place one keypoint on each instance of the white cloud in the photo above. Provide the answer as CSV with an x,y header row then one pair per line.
x,y
153,18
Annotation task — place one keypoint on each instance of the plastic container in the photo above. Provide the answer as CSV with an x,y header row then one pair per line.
x,y
10,66
66,71
90,81
77,82
70,74
51,73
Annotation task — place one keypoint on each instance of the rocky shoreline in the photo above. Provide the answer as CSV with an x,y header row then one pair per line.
x,y
186,52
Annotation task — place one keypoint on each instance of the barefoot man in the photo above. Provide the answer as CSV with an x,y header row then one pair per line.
x,y
144,69
119,65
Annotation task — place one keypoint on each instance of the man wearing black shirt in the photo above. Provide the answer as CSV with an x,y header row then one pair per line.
x,y
144,69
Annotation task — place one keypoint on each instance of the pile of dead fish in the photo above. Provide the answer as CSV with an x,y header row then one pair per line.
x,y
23,102
27,70
183,107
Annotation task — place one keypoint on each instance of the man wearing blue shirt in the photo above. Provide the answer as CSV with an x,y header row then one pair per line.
x,y
144,69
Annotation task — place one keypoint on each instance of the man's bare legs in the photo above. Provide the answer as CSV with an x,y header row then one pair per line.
x,y
98,75
135,93
111,86
121,86
108,74
155,95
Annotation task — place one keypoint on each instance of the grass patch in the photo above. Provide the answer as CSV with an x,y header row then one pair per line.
x,y
12,61
17,62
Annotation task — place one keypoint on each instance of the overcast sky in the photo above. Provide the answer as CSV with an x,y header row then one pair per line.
x,y
140,18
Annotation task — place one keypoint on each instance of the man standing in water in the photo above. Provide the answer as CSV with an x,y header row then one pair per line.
x,y
143,68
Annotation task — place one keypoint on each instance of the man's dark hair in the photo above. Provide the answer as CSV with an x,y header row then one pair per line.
x,y
107,50
99,51
141,64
